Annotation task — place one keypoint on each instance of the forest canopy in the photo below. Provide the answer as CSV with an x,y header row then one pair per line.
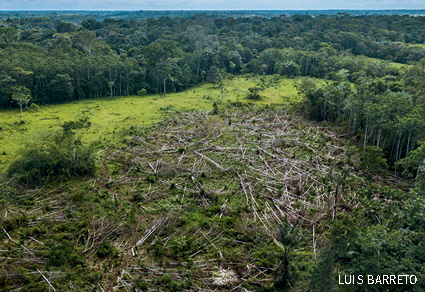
x,y
374,64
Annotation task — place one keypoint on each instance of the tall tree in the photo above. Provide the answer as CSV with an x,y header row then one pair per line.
x,y
21,95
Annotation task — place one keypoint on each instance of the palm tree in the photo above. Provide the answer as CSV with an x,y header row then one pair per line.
x,y
287,238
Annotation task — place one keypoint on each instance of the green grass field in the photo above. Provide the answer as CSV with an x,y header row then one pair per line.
x,y
109,116
417,45
392,64
398,65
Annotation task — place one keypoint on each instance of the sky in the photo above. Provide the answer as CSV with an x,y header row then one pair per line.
x,y
208,4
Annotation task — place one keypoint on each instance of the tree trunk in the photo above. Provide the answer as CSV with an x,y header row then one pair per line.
x,y
408,144
379,138
417,173
365,133
22,114
400,150
335,201
73,148
120,84
198,67
365,138
128,85
396,154
392,149
306,66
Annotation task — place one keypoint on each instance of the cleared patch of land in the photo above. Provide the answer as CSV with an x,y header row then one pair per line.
x,y
391,64
193,201
109,116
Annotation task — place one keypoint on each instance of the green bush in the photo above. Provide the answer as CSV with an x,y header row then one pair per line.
x,y
140,284
105,250
142,92
33,108
254,93
421,184
63,254
58,156
373,160
182,150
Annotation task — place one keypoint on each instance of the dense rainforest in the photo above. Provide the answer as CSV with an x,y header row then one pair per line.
x,y
381,101
247,196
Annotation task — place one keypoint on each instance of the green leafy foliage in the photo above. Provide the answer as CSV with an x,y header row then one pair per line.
x,y
142,92
57,156
254,93
288,238
373,160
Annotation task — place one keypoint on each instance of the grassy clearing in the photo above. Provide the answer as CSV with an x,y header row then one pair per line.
x,y
417,45
391,64
398,65
109,116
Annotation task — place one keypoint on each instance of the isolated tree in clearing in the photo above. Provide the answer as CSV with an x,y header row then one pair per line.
x,y
21,95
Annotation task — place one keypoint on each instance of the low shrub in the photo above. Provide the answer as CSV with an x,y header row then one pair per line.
x,y
254,93
142,92
58,156
33,108
373,160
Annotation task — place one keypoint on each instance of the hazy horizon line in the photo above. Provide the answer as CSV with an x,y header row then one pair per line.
x,y
132,10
